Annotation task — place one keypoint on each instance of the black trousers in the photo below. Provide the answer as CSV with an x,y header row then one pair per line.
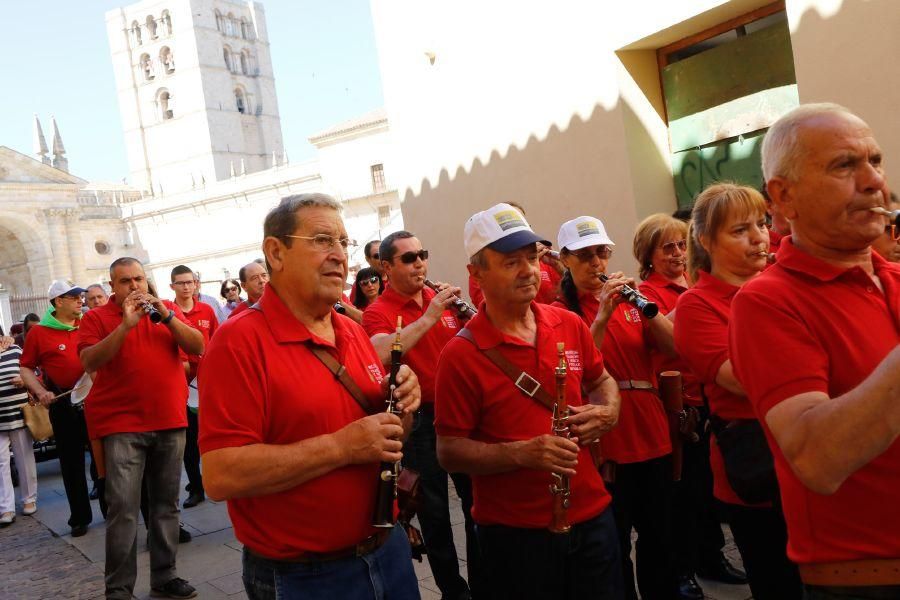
x,y
192,454
420,454
70,433
761,537
642,499
526,564
697,533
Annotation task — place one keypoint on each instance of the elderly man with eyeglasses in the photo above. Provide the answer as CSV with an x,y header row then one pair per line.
x,y
428,324
254,278
293,448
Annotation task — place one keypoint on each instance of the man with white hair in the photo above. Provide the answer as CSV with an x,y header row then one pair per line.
x,y
831,412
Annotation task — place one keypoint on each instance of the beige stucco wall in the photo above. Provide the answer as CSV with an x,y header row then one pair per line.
x,y
561,109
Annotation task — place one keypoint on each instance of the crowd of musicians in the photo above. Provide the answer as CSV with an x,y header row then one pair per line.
x,y
540,400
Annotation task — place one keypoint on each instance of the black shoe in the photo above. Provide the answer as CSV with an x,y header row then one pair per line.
x,y
194,499
723,571
688,588
95,493
177,588
184,536
79,530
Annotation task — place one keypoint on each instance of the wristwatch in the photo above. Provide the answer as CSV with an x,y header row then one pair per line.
x,y
169,318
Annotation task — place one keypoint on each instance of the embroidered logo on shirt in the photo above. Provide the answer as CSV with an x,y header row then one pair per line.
x,y
573,360
204,323
632,315
61,347
375,373
545,276
450,322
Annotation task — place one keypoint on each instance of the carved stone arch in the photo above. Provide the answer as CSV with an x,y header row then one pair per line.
x,y
135,32
151,27
26,262
166,20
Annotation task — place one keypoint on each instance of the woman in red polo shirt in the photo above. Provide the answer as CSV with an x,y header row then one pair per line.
x,y
660,247
639,446
728,246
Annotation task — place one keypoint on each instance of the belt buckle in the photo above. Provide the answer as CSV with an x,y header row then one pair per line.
x,y
530,385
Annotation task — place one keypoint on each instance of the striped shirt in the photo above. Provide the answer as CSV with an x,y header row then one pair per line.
x,y
10,395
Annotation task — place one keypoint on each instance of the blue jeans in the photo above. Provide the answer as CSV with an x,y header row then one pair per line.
x,y
524,564
385,574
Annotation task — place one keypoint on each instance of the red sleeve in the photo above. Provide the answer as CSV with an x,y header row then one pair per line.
x,y
457,402
31,354
701,338
90,332
231,371
650,292
475,292
757,327
374,320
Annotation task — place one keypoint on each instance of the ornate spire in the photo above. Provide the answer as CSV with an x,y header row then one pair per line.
x,y
40,144
59,151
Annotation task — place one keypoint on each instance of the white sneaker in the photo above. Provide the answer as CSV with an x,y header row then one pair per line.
x,y
7,518
29,508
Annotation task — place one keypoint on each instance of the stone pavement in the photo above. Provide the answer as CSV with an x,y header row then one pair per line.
x,y
40,559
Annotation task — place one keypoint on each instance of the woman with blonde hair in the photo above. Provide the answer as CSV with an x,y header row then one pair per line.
x,y
728,246
660,247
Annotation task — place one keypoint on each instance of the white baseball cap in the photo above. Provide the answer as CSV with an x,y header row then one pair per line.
x,y
583,232
63,287
501,227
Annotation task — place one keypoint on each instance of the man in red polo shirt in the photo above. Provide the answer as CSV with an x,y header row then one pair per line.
x,y
428,324
135,344
498,432
202,317
286,442
52,347
254,278
831,308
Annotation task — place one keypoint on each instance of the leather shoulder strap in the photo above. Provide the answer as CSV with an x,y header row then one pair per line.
x,y
527,384
339,371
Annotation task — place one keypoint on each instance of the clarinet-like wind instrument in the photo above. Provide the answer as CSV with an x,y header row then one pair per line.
x,y
389,473
559,522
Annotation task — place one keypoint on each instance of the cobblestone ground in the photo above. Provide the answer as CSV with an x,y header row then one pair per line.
x,y
34,563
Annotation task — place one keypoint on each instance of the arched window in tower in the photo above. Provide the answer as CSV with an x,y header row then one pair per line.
x,y
151,27
245,62
240,100
167,60
226,52
136,33
165,104
229,25
147,67
220,21
166,19
245,29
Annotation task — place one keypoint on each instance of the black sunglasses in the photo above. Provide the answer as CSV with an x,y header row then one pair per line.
x,y
374,255
409,258
230,289
369,280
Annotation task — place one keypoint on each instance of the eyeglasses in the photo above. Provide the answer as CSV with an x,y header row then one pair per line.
x,y
370,281
230,289
374,255
588,254
669,248
892,229
408,258
184,283
324,243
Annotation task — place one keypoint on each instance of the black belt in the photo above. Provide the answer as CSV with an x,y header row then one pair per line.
x,y
366,546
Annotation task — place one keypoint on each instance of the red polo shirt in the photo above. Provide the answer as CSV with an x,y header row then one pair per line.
x,y
55,352
701,339
381,317
202,318
643,429
665,294
143,387
261,384
547,292
832,327
241,307
476,400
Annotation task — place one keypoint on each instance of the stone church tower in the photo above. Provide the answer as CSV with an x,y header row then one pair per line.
x,y
196,91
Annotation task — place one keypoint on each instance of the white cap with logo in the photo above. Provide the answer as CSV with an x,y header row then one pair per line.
x,y
63,287
583,232
501,227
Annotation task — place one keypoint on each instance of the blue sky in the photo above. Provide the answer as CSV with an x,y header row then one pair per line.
x,y
54,55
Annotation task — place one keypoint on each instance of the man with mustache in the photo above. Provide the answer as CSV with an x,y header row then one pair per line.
x,y
831,307
428,324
